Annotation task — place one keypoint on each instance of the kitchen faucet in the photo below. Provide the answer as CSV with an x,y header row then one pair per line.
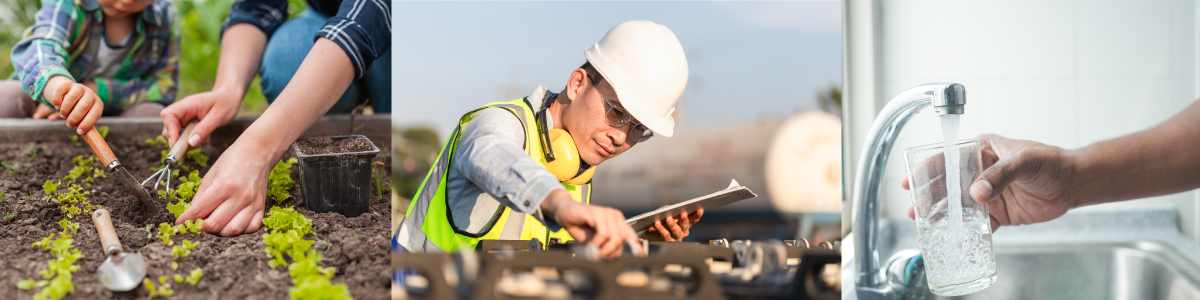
x,y
872,280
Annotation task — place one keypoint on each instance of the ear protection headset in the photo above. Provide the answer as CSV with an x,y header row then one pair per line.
x,y
562,156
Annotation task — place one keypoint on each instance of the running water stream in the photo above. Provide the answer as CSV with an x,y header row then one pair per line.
x,y
953,184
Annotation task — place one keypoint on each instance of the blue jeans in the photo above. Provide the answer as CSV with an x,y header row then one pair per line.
x,y
288,47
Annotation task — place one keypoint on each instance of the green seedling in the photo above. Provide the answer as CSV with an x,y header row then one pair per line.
x,y
15,168
378,176
197,157
192,279
165,231
280,181
3,198
57,275
175,266
75,140
182,251
32,153
163,290
8,217
103,130
68,226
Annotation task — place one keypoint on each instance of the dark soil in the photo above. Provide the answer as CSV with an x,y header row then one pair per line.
x,y
234,267
326,145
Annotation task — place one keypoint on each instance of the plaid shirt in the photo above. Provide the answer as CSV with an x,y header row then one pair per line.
x,y
68,34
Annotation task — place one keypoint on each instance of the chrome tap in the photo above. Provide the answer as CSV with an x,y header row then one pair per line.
x,y
871,278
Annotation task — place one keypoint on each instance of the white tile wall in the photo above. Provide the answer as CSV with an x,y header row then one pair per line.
x,y
1062,72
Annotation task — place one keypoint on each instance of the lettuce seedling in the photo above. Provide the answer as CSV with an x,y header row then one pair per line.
x,y
197,157
280,180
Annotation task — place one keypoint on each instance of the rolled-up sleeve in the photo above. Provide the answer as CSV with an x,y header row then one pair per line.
x,y
363,29
267,15
490,155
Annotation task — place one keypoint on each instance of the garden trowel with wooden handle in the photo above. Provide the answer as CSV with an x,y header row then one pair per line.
x,y
100,147
120,271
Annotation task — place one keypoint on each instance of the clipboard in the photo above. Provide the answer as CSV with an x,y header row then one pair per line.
x,y
734,193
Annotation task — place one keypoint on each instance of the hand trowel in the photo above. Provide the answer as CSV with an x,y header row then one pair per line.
x,y
113,166
120,271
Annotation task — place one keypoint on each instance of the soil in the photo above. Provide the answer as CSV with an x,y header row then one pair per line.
x,y
326,145
233,267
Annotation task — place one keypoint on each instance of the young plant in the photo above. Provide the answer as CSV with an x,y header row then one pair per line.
x,y
57,275
181,252
163,289
8,217
183,193
75,140
103,131
14,168
280,181
378,176
192,278
197,157
160,140
165,231
32,153
3,198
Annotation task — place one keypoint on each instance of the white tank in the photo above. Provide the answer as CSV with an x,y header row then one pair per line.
x,y
794,166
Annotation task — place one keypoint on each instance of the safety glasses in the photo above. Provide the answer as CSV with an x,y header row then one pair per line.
x,y
616,116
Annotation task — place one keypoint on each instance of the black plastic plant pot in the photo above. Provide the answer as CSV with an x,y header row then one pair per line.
x,y
332,179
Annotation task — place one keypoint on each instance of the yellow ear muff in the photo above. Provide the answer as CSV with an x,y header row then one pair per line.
x,y
583,178
566,155
566,159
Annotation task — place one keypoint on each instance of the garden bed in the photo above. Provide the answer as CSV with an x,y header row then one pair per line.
x,y
233,267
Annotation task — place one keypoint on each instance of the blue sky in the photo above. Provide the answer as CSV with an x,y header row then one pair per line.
x,y
747,60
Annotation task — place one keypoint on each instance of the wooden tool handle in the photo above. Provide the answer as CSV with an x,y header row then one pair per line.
x,y
100,147
108,236
181,144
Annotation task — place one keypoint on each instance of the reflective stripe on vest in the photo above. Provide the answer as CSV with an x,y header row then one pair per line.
x,y
427,226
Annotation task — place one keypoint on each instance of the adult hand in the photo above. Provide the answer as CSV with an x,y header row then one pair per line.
x,y
601,226
214,109
1023,182
76,103
673,231
232,194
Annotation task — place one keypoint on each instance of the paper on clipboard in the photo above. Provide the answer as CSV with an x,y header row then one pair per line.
x,y
734,193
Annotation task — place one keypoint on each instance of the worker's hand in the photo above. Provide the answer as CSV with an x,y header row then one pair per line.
x,y
232,194
675,229
601,226
1023,182
214,109
77,103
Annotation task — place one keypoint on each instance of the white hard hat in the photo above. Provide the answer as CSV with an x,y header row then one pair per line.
x,y
645,65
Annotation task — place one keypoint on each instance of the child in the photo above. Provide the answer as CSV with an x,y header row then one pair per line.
x,y
87,58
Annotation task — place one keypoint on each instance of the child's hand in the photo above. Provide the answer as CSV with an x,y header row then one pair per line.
x,y
45,112
76,103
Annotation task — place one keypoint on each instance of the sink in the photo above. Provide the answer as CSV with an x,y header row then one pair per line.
x,y
1134,270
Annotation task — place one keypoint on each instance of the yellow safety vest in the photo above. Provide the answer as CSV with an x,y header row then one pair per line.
x,y
430,212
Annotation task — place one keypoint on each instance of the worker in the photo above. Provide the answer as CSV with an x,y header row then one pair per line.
x,y
521,170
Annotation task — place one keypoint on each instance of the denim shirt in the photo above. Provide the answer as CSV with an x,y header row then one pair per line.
x,y
362,28
68,34
491,169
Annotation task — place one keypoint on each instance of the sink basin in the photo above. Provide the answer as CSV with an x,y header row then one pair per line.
x,y
1133,270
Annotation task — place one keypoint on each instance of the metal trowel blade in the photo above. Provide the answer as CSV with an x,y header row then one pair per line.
x,y
122,272
138,190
